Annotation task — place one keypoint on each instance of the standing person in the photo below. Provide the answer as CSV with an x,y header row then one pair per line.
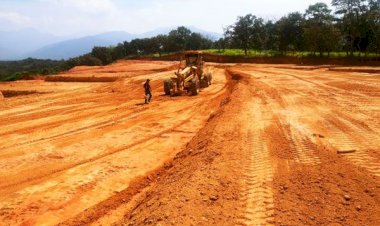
x,y
148,91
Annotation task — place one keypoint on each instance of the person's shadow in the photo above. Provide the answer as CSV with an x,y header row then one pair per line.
x,y
140,104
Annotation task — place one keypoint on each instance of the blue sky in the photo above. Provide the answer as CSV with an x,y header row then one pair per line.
x,y
80,17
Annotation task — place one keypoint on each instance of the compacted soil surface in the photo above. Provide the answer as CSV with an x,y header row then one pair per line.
x,y
263,145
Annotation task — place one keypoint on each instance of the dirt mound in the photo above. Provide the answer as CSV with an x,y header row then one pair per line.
x,y
15,93
128,66
114,72
295,60
350,86
298,67
79,79
370,70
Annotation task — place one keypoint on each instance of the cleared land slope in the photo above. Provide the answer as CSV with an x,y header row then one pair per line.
x,y
258,147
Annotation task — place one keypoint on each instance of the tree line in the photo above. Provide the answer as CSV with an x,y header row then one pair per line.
x,y
352,26
178,40
15,70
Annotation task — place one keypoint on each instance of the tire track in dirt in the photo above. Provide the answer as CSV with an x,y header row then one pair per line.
x,y
303,145
85,161
311,137
20,108
258,174
369,107
258,179
347,139
302,148
343,137
57,120
364,102
330,91
131,112
365,136
93,104
98,125
61,168
362,159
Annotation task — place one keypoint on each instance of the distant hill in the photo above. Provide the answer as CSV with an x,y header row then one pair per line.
x,y
76,47
80,46
211,35
14,44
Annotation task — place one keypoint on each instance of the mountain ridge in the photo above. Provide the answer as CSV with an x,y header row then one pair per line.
x,y
79,46
46,46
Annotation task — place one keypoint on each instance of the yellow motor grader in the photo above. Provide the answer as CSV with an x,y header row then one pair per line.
x,y
190,77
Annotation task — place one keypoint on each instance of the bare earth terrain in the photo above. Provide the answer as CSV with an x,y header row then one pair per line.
x,y
264,145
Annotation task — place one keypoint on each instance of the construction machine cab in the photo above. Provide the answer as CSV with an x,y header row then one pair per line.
x,y
192,59
189,77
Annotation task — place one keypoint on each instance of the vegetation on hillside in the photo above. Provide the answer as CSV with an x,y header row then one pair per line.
x,y
351,29
15,70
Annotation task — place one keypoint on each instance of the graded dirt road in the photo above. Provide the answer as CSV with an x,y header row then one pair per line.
x,y
79,143
264,145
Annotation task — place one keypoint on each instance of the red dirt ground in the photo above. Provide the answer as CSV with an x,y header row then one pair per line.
x,y
258,147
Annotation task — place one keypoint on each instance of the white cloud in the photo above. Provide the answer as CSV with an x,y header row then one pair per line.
x,y
15,18
76,17
86,6
66,17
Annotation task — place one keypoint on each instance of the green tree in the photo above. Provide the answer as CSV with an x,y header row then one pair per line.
x,y
373,26
118,52
149,45
127,48
241,33
320,33
178,40
258,34
271,37
195,41
220,44
89,60
350,12
291,33
161,43
103,54
136,47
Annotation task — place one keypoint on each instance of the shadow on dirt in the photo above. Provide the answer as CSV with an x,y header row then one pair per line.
x,y
15,93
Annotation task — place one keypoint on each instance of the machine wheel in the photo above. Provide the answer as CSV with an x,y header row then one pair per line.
x,y
204,82
168,83
209,76
194,87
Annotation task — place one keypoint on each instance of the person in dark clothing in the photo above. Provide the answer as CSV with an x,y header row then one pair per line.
x,y
148,91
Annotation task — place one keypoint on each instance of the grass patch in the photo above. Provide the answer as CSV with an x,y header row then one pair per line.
x,y
240,52
270,53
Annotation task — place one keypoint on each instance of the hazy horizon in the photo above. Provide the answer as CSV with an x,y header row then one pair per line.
x,y
88,17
